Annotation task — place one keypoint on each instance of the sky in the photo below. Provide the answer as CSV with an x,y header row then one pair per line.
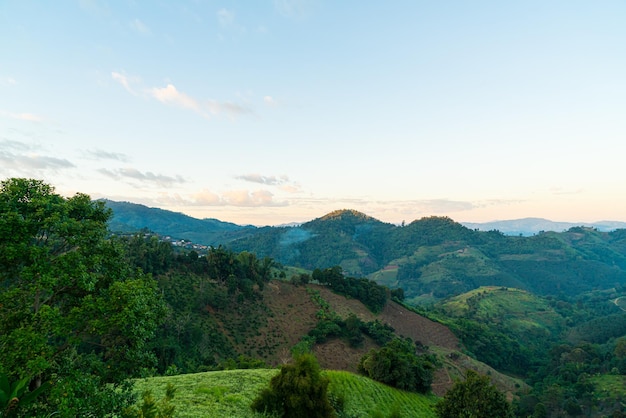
x,y
270,112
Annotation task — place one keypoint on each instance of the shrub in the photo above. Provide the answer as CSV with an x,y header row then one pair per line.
x,y
474,397
298,391
398,365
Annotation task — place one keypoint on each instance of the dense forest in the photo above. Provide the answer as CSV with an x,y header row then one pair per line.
x,y
84,309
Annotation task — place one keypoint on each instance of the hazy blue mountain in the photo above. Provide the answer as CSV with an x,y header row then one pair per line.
x,y
132,217
531,226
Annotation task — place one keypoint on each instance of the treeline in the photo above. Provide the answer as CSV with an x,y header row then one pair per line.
x,y
371,294
201,292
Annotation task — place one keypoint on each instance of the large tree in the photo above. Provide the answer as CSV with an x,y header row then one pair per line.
x,y
72,311
298,391
475,397
397,364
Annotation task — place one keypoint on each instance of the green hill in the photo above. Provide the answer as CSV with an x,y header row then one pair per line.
x,y
132,217
229,393
430,259
509,329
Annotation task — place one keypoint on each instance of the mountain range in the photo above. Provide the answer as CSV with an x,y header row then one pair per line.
x,y
129,217
431,258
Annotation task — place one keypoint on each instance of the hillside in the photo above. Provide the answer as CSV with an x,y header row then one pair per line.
x,y
229,393
132,217
269,327
430,258
434,258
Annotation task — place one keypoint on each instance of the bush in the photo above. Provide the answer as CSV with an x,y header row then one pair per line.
x,y
298,391
398,365
475,397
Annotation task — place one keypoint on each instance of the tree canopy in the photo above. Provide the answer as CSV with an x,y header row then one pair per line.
x,y
475,397
298,391
72,311
397,364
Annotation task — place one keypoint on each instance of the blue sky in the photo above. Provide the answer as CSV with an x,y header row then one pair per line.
x,y
270,112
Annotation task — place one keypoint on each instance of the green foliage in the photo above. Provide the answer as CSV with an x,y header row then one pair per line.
x,y
230,393
475,397
15,396
70,306
372,295
298,391
151,408
132,217
241,362
379,332
398,365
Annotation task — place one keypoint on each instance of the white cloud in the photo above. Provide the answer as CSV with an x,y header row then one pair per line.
x,y
207,198
281,182
143,177
268,180
25,163
8,81
106,155
15,145
235,198
124,81
269,100
22,116
247,198
225,17
140,27
170,95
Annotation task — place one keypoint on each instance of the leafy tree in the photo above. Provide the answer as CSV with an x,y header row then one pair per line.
x,y
72,312
475,397
298,391
398,365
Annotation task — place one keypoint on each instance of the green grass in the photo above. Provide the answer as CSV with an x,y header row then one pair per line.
x,y
229,393
521,310
367,398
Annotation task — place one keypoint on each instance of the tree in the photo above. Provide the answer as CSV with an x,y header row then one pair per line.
x,y
398,365
72,311
475,397
298,391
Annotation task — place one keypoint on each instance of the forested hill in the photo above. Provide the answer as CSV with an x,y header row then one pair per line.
x,y
433,258
132,217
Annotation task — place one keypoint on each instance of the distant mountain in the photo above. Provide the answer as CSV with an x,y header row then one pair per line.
x,y
532,226
434,258
132,217
430,259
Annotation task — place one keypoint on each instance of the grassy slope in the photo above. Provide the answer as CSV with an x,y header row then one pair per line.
x,y
229,394
518,310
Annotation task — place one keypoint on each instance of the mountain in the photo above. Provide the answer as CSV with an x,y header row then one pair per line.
x,y
532,226
435,258
430,259
132,217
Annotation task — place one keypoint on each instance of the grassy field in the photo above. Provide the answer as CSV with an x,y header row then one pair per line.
x,y
229,393
520,310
